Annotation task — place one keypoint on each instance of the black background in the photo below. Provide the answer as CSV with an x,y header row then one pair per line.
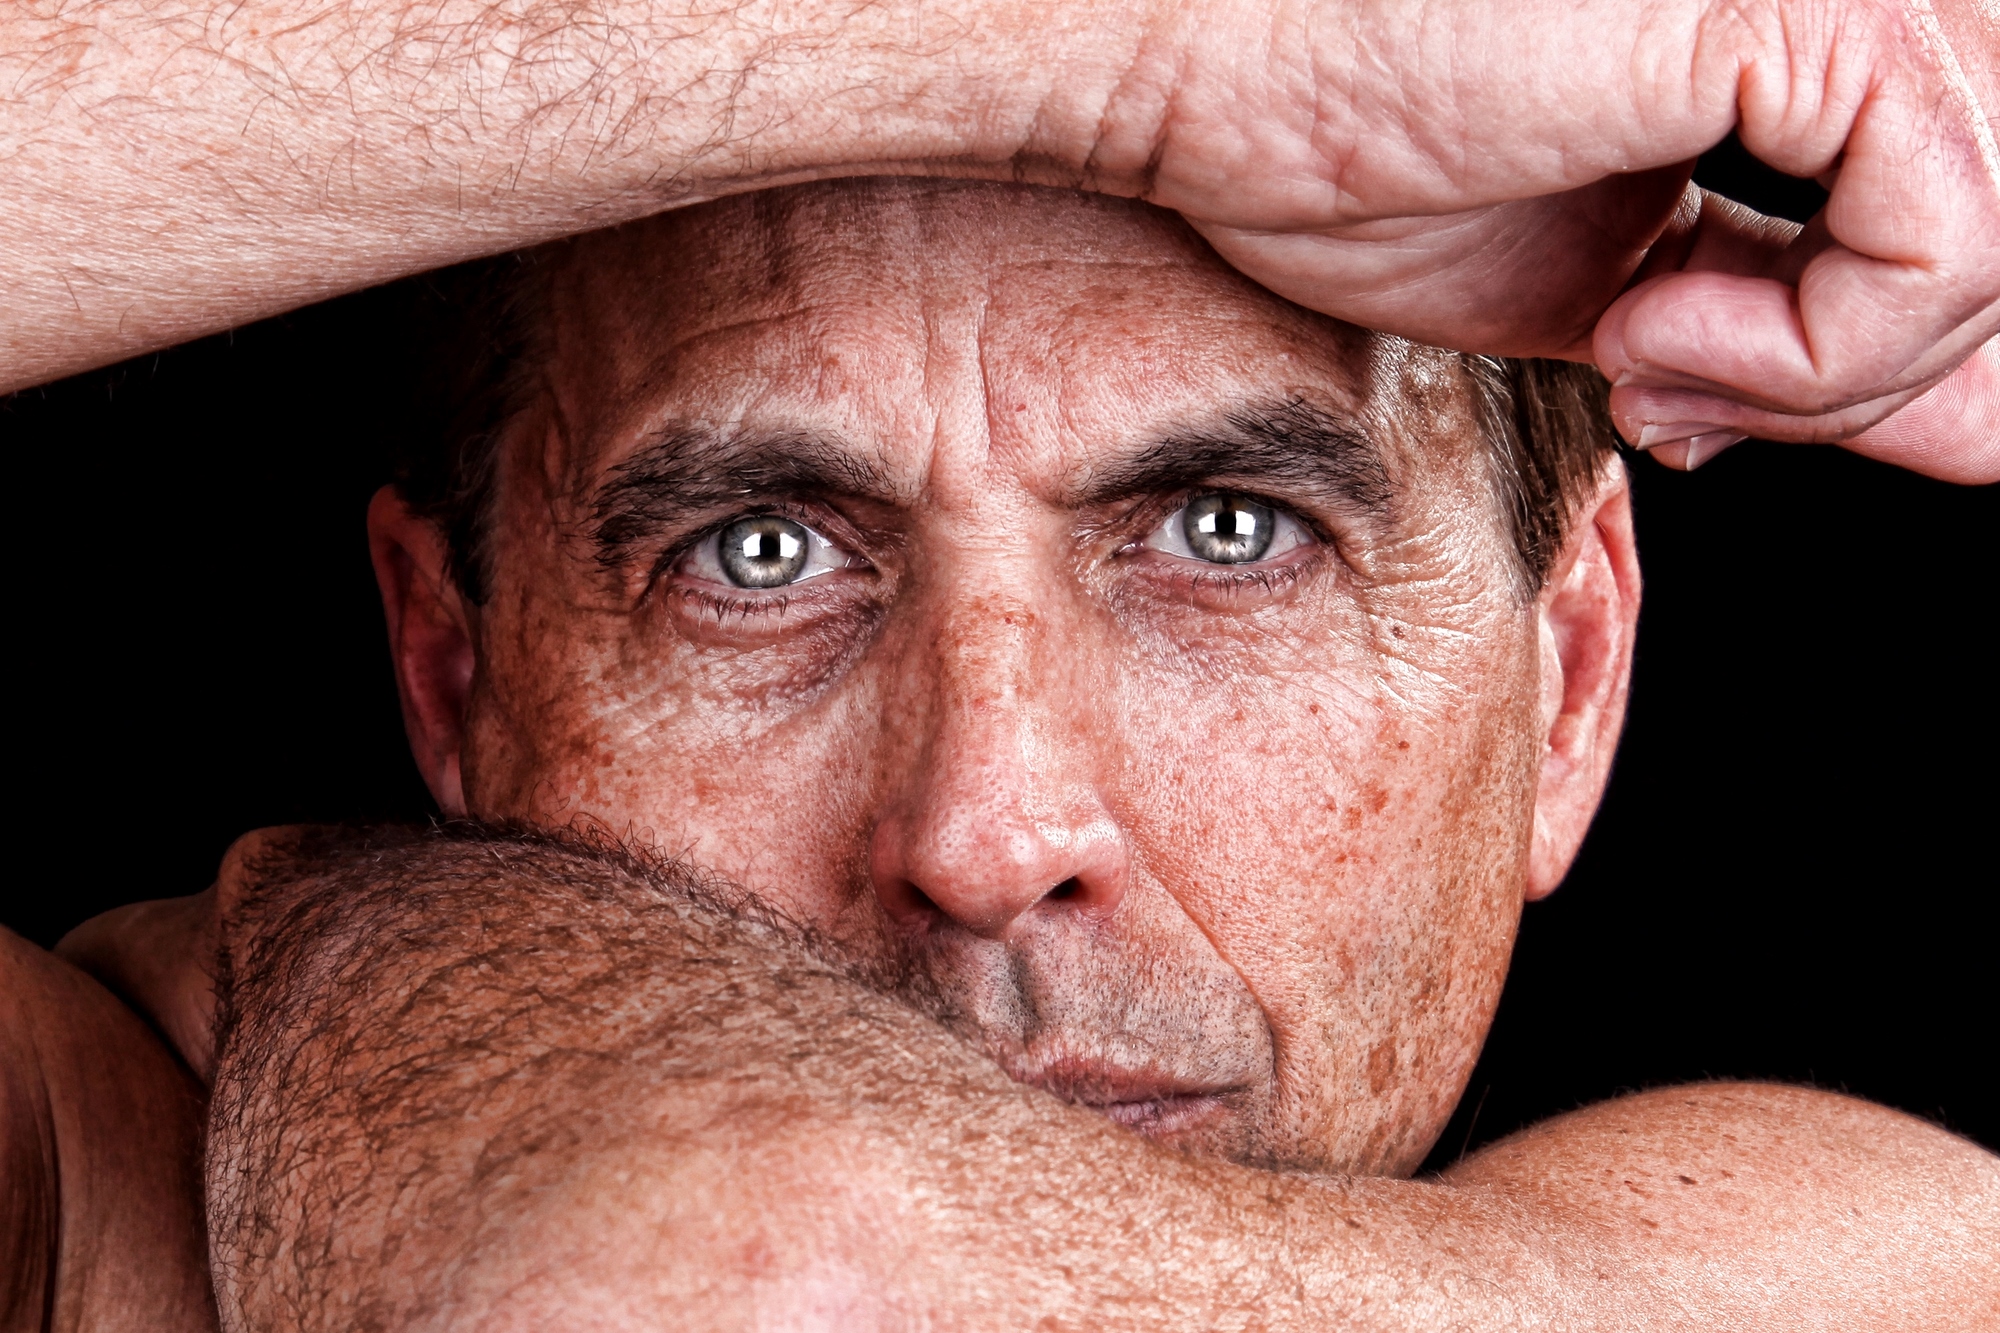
x,y
1790,878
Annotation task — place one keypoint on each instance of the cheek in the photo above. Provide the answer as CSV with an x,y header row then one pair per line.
x,y
1354,843
698,758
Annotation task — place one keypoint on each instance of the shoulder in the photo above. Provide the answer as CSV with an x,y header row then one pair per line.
x,y
1820,1136
99,1159
1810,1199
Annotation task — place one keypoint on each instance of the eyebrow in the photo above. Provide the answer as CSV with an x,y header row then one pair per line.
x,y
1293,445
686,470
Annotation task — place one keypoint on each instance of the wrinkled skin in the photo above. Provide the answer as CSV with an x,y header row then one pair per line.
x,y
1235,853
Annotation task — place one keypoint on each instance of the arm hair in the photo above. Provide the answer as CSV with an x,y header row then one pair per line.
x,y
494,1080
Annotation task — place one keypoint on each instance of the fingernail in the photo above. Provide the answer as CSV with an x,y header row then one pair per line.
x,y
1704,447
1689,454
1652,437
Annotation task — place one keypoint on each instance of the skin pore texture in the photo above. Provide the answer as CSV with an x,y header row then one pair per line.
x,y
1099,931
1237,849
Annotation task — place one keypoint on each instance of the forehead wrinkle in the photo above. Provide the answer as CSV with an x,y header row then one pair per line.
x,y
643,376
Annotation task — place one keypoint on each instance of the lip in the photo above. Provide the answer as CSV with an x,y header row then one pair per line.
x,y
1149,1101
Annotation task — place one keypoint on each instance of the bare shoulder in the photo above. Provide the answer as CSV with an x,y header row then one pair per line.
x,y
1817,1136
99,1159
1792,1186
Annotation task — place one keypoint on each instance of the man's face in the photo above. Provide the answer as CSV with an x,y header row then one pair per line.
x,y
1125,664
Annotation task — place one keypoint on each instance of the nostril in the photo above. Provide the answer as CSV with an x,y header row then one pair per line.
x,y
1069,888
914,900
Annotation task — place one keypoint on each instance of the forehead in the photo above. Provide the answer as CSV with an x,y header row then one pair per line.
x,y
1036,328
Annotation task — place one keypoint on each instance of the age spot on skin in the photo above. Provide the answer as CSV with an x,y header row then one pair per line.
x,y
1381,1067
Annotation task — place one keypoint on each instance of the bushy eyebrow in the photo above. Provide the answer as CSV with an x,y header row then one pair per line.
x,y
693,470
1289,444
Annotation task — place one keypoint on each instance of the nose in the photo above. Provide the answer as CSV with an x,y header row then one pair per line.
x,y
1000,813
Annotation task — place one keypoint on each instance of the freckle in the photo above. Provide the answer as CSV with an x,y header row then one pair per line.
x,y
1688,1180
1381,1067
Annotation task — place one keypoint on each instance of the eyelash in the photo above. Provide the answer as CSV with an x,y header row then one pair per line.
x,y
722,608
1223,579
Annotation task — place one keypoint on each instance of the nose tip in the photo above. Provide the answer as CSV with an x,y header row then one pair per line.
x,y
985,873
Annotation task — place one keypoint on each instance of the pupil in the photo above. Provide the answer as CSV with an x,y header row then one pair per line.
x,y
1227,529
763,551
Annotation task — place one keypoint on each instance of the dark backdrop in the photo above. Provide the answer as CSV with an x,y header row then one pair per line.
x,y
1790,878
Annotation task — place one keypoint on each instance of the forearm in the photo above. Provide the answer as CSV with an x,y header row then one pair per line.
x,y
178,166
489,1090
540,1087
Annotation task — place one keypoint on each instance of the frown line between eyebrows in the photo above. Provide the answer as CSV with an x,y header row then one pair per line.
x,y
1293,444
688,470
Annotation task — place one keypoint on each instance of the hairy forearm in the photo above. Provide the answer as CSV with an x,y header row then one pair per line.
x,y
492,1084
177,166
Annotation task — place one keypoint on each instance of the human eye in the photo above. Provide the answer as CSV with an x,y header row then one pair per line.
x,y
760,552
1228,528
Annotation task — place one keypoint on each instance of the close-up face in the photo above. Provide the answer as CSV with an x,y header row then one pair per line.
x,y
1131,668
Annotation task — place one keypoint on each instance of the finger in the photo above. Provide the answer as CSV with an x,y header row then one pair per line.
x,y
1898,285
1951,431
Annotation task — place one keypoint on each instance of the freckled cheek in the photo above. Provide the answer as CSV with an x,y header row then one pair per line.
x,y
1297,823
1245,799
772,793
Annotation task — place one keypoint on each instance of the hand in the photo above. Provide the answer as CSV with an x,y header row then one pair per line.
x,y
1515,189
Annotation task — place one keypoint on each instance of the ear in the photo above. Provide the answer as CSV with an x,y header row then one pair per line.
x,y
430,639
1589,613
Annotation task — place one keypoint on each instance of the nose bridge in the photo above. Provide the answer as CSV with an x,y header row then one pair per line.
x,y
994,749
986,655
1001,809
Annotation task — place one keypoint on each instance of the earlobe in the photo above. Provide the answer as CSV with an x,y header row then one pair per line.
x,y
1589,614
430,639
